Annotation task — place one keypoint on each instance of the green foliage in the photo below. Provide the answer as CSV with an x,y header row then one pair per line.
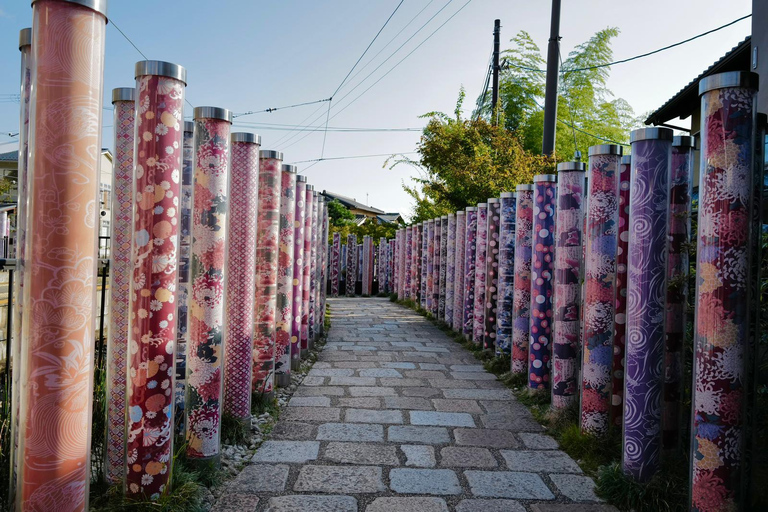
x,y
667,491
234,430
584,99
464,162
338,214
342,221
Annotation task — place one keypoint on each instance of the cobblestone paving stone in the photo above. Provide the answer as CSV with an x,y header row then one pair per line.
x,y
396,417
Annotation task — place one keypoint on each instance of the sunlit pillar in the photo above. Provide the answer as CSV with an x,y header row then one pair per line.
x,y
285,265
521,310
299,219
569,232
317,199
306,272
56,356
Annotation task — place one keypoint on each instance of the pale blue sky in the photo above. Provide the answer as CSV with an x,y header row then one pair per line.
x,y
252,55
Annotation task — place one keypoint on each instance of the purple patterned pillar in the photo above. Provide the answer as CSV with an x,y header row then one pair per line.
x,y
415,261
470,251
506,278
569,232
382,268
299,218
124,101
408,262
312,320
458,271
285,266
391,265
521,311
306,275
367,264
646,300
481,252
726,251
335,255
492,274
402,264
430,272
267,244
599,279
424,231
450,269
351,264
207,275
680,180
620,317
443,266
542,281
241,275
326,225
436,283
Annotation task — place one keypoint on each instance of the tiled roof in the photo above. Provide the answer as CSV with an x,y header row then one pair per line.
x,y
687,99
351,203
11,156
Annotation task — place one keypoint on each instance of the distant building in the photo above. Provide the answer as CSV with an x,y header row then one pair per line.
x,y
364,213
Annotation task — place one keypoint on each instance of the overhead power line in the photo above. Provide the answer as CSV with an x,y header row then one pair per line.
x,y
622,61
273,109
317,160
340,129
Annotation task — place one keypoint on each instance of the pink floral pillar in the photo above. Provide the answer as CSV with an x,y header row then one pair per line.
x,y
305,272
450,268
316,200
382,265
241,275
458,279
124,103
726,253
521,310
407,278
56,379
325,224
481,251
267,242
415,263
298,270
335,256
284,318
367,264
205,331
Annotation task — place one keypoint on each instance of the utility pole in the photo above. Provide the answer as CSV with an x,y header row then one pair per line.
x,y
495,95
553,68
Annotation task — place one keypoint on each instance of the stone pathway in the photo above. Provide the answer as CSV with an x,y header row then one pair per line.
x,y
397,417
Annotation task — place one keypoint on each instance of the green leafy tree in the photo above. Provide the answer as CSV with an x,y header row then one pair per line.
x,y
464,162
343,221
585,103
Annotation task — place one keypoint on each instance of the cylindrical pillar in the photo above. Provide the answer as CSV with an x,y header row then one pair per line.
x,y
323,283
620,316
267,244
382,265
207,300
183,287
408,262
416,264
56,380
646,300
599,289
423,250
285,265
313,273
492,274
436,283
522,295
726,252
351,264
430,272
299,219
542,281
680,181
306,272
470,251
335,255
25,47
450,268
506,277
458,271
120,271
241,275
402,264
367,264
443,266
481,252
567,288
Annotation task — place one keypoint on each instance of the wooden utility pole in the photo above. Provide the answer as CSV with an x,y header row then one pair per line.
x,y
553,68
496,68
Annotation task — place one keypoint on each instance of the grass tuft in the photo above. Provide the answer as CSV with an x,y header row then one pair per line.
x,y
666,492
235,430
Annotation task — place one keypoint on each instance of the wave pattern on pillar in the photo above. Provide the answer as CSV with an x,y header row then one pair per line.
x,y
157,164
443,266
335,255
208,277
481,251
599,294
56,381
506,278
568,269
646,301
470,249
458,271
492,274
284,318
522,297
542,280
620,316
124,101
299,217
724,258
450,268
241,277
267,246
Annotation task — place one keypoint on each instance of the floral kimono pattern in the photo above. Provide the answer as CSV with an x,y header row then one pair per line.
x,y
470,242
492,275
481,251
522,296
506,279
284,319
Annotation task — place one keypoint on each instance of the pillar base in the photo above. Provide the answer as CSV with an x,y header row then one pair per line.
x,y
283,380
304,353
206,463
295,364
